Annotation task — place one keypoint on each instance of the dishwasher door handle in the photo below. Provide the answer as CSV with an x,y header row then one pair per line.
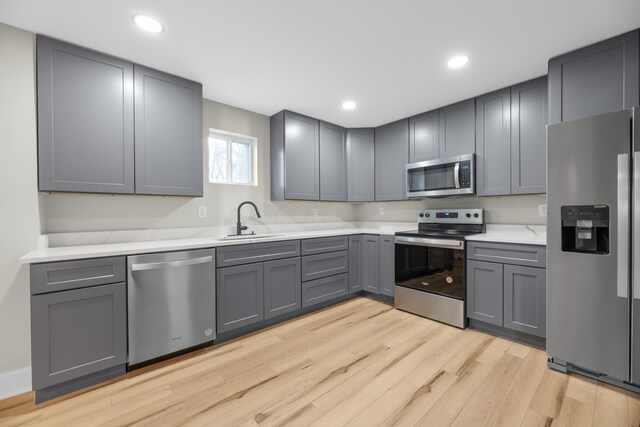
x,y
169,264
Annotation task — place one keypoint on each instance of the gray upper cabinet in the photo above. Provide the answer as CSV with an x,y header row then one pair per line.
x,y
493,133
525,291
282,290
484,291
457,127
600,78
391,157
168,132
529,137
370,263
333,162
387,265
85,120
240,296
295,157
423,137
360,165
77,333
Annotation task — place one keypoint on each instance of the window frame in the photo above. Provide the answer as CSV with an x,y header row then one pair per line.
x,y
231,137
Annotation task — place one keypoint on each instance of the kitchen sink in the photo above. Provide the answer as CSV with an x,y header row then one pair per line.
x,y
249,236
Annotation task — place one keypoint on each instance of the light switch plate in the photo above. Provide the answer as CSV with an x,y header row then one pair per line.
x,y
381,212
202,212
314,212
542,210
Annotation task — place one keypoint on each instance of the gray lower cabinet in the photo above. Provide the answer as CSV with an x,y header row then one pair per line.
x,y
360,165
295,157
424,137
457,128
485,292
85,120
525,291
493,143
356,252
323,265
333,162
77,333
391,157
387,264
529,137
325,289
600,78
239,296
282,292
370,263
168,134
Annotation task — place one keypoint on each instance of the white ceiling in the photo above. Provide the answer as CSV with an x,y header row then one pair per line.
x,y
309,56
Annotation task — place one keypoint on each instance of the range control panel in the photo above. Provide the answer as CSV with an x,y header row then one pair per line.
x,y
451,216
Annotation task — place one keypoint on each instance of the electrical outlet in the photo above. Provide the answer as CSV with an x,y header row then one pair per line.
x,y
542,210
202,212
314,212
381,212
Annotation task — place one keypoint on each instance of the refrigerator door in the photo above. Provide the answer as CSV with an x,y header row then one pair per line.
x,y
587,294
635,306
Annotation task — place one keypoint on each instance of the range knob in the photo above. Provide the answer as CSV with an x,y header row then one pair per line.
x,y
468,215
421,215
475,215
427,215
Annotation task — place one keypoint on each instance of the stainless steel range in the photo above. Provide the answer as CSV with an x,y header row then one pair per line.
x,y
429,265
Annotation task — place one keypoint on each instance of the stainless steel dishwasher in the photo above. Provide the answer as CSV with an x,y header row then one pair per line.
x,y
171,302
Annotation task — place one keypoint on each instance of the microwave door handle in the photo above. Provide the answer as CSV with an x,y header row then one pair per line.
x,y
456,174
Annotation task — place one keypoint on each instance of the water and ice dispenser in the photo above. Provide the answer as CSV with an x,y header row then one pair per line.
x,y
585,229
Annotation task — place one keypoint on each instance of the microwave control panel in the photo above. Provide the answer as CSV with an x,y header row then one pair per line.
x,y
465,174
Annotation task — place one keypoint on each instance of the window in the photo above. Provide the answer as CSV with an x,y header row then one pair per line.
x,y
232,158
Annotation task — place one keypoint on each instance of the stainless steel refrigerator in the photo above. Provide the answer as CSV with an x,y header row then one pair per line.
x,y
593,246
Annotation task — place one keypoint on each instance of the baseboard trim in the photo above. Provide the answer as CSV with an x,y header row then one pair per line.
x,y
15,382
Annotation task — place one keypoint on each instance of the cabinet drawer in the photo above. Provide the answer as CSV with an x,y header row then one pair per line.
x,y
65,275
508,253
256,252
325,244
321,290
77,333
323,265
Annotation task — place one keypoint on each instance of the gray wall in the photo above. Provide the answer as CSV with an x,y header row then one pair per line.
x,y
19,213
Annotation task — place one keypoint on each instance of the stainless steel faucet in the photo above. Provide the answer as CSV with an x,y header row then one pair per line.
x,y
239,226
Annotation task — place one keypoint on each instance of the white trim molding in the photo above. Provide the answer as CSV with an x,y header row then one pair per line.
x,y
15,382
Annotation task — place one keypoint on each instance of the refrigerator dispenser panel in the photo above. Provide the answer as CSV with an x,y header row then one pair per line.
x,y
585,229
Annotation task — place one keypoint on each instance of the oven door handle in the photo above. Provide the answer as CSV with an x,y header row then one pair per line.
x,y
432,243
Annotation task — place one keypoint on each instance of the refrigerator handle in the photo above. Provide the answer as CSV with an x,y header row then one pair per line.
x,y
623,226
636,225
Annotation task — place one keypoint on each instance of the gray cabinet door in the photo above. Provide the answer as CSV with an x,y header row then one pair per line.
x,y
597,79
484,291
240,296
282,290
323,265
333,162
457,127
301,157
370,260
387,265
423,137
525,293
78,332
529,137
85,120
493,143
168,132
391,158
360,165
325,289
356,249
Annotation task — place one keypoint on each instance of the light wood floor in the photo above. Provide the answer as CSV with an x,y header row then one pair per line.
x,y
361,363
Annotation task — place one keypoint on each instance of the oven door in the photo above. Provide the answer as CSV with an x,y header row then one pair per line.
x,y
441,177
435,266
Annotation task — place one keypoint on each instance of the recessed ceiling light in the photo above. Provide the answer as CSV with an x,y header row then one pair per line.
x,y
457,61
349,105
147,23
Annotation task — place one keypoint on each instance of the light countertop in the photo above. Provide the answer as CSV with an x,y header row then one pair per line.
x,y
534,235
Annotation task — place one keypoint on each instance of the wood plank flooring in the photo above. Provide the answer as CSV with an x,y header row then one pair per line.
x,y
360,363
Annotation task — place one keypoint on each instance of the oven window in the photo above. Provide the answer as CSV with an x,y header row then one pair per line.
x,y
438,177
435,270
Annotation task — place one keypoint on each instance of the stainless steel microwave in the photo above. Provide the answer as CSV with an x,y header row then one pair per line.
x,y
452,176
